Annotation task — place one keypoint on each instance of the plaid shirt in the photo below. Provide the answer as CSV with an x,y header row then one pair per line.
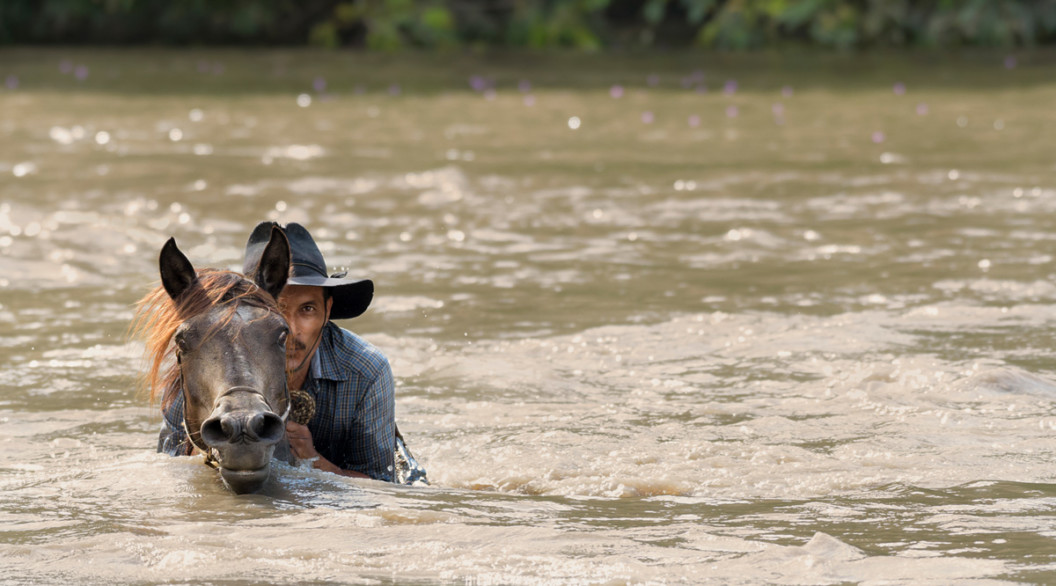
x,y
355,402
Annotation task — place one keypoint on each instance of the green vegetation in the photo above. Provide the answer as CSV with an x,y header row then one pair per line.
x,y
581,24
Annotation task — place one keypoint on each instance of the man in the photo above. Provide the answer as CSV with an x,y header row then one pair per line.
x,y
353,431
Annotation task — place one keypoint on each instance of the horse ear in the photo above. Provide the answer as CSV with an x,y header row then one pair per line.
x,y
177,273
274,267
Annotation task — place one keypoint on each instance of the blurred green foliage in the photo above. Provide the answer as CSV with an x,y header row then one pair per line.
x,y
582,24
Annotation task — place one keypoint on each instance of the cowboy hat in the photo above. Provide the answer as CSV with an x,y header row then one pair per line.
x,y
307,267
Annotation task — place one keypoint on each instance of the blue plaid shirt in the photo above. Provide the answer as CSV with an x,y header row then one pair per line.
x,y
355,402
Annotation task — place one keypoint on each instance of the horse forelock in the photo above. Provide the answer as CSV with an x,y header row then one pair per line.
x,y
158,317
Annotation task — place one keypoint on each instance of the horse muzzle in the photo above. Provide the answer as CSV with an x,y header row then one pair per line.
x,y
242,432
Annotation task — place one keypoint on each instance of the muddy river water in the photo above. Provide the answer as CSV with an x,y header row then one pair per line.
x,y
682,318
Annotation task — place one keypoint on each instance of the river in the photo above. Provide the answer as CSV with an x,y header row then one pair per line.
x,y
662,318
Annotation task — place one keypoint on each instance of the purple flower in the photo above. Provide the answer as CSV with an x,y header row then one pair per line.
x,y
786,91
899,89
647,117
218,68
529,100
81,72
778,109
478,83
1010,62
65,67
702,88
652,80
694,121
616,91
878,137
730,86
11,82
525,86
319,84
922,109
489,94
394,89
731,111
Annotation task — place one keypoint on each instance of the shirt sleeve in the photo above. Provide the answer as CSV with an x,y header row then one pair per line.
x,y
172,438
374,434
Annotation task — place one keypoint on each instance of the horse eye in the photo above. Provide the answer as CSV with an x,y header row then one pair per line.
x,y
181,342
282,337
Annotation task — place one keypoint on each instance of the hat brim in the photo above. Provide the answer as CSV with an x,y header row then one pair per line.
x,y
351,298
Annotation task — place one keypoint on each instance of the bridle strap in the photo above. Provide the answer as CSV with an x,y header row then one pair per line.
x,y
195,438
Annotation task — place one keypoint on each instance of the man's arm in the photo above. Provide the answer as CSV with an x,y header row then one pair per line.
x,y
303,448
376,420
368,438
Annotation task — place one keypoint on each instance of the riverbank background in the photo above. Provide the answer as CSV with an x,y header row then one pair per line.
x,y
673,292
534,24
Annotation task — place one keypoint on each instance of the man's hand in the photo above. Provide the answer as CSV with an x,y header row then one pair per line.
x,y
303,448
301,441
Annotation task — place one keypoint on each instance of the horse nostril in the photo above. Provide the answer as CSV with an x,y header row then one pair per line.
x,y
220,430
266,427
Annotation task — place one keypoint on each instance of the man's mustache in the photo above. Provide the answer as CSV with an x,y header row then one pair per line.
x,y
296,346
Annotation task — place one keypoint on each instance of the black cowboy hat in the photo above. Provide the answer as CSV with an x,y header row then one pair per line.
x,y
351,297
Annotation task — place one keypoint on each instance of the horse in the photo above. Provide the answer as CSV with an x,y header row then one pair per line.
x,y
219,338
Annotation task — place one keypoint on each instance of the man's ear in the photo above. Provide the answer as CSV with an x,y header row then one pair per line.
x,y
329,305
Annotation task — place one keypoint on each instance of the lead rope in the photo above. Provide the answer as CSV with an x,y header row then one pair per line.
x,y
315,346
305,408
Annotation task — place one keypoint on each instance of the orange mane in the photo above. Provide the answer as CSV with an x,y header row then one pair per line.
x,y
157,318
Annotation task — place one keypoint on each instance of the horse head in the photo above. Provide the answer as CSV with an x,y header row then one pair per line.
x,y
230,349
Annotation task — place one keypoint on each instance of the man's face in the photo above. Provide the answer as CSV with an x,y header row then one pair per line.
x,y
306,314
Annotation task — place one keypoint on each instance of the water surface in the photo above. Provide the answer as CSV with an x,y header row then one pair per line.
x,y
652,319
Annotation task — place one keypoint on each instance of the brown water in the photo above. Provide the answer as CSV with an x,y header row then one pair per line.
x,y
791,329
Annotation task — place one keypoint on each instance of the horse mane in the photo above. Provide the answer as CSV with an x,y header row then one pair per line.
x,y
158,316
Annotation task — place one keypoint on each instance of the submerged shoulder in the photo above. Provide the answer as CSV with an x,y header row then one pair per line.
x,y
349,352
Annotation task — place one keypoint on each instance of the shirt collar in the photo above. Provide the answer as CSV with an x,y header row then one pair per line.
x,y
317,367
324,365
